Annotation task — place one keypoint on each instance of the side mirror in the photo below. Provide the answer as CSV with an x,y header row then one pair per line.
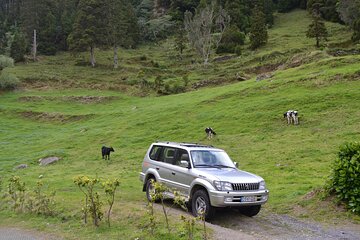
x,y
184,164
236,164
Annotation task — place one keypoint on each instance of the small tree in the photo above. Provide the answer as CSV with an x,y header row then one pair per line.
x,y
92,198
258,32
18,47
180,40
89,29
110,187
205,29
317,27
16,191
160,189
189,223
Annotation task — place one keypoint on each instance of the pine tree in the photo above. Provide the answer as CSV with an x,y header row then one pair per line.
x,y
239,11
317,29
180,40
39,15
88,29
18,47
258,32
122,27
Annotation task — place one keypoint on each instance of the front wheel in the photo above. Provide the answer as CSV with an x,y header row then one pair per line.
x,y
200,205
250,211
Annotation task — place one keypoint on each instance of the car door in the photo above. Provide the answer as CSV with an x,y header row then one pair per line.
x,y
163,162
180,176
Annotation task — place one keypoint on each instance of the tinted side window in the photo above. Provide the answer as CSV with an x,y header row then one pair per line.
x,y
155,152
168,155
182,155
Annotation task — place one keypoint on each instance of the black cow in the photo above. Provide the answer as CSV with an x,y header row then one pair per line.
x,y
210,132
105,151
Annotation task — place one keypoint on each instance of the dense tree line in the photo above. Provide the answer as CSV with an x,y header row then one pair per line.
x,y
83,25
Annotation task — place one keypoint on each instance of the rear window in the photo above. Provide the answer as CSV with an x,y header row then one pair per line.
x,y
155,152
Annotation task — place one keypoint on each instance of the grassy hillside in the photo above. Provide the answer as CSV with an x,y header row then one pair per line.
x,y
66,120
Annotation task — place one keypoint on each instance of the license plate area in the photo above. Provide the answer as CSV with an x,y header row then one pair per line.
x,y
248,199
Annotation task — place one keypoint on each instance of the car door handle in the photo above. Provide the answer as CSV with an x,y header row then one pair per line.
x,y
157,168
173,173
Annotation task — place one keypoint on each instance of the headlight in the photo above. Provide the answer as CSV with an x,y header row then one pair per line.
x,y
262,185
223,186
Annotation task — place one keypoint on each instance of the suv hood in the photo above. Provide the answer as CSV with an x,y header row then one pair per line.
x,y
228,175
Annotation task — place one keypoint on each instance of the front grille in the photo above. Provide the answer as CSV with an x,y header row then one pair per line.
x,y
245,186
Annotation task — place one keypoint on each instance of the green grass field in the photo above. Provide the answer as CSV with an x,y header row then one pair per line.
x,y
294,160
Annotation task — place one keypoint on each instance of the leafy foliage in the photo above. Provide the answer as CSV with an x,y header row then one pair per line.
x,y
40,202
160,189
8,81
349,11
258,32
92,199
345,181
327,9
88,29
317,29
6,62
16,191
110,187
231,39
18,47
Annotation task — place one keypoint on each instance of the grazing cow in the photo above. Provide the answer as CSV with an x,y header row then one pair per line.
x,y
295,117
210,132
105,151
292,117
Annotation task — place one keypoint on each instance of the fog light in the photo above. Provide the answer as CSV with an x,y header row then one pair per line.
x,y
264,198
228,199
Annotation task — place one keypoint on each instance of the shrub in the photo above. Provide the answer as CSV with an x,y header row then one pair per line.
x,y
6,62
18,47
16,191
8,81
345,181
40,202
92,203
110,187
237,50
231,39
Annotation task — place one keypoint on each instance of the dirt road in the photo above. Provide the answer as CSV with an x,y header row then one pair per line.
x,y
274,226
230,225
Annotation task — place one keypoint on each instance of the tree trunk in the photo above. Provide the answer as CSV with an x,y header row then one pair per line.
x,y
116,58
317,41
92,56
34,46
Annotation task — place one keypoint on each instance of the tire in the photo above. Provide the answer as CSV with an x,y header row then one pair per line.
x,y
150,190
250,211
200,200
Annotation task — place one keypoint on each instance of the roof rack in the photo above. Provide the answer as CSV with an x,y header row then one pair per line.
x,y
195,145
187,144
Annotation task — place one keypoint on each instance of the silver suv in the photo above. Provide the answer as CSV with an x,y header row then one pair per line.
x,y
205,176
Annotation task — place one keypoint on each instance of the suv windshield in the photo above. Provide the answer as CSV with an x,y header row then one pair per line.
x,y
211,158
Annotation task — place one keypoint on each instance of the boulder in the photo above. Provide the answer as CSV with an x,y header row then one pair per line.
x,y
48,160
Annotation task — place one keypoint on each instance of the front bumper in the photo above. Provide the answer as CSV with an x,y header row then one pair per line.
x,y
237,198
